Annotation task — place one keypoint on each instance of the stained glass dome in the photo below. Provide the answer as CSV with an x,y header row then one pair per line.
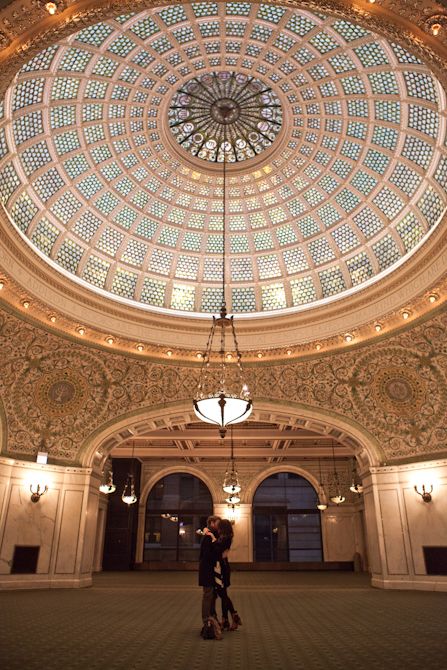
x,y
345,180
225,116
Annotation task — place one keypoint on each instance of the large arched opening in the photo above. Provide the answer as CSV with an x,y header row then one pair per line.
x,y
286,521
176,507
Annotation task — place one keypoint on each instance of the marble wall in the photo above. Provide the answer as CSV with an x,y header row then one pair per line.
x,y
399,524
63,523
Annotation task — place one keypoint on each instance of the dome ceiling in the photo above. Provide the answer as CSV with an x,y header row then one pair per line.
x,y
111,146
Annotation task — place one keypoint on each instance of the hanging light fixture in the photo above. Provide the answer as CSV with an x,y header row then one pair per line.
x,y
231,481
321,505
228,400
109,486
129,496
337,498
356,486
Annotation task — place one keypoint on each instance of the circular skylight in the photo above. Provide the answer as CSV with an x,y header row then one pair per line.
x,y
93,178
225,114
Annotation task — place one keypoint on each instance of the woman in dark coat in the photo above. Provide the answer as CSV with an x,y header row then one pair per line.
x,y
221,546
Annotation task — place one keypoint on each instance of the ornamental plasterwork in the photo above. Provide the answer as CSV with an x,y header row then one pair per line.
x,y
41,374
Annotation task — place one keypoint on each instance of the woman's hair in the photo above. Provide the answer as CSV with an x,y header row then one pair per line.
x,y
225,529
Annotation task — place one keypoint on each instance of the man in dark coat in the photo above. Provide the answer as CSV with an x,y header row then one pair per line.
x,y
207,561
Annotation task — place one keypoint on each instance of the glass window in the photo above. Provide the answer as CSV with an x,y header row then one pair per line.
x,y
176,507
286,520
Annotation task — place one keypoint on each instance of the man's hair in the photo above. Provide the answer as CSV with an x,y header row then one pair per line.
x,y
212,519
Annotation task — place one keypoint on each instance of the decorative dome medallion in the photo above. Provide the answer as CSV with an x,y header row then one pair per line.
x,y
110,140
225,113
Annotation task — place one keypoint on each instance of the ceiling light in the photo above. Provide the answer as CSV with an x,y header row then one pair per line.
x,y
53,318
227,400
231,481
2,283
110,340
199,355
26,304
140,347
321,506
356,488
348,337
51,8
260,354
229,357
233,499
81,330
435,29
405,314
338,498
433,297
318,346
169,353
378,327
109,486
289,352
129,496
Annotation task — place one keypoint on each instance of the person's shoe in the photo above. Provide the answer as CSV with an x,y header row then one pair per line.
x,y
225,624
236,621
217,629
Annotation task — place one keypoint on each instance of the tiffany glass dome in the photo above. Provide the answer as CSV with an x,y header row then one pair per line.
x,y
112,143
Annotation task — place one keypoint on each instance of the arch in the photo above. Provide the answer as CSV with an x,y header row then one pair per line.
x,y
176,469
262,476
102,441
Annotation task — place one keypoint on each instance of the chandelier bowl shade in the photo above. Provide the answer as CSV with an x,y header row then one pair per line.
x,y
222,410
107,488
129,496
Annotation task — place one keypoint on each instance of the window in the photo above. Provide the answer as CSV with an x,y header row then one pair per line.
x,y
176,507
286,520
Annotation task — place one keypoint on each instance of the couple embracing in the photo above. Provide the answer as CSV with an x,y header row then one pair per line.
x,y
214,577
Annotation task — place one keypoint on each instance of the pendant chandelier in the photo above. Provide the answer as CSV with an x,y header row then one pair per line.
x,y
337,498
223,399
231,483
321,505
129,496
356,486
109,486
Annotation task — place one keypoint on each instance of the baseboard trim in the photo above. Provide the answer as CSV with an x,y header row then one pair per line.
x,y
414,584
21,582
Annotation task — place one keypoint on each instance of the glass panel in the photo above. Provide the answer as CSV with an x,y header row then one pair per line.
x,y
170,535
286,521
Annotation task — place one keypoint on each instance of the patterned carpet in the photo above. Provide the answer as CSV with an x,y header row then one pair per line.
x,y
308,621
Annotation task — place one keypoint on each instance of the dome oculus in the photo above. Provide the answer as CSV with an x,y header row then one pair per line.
x,y
225,113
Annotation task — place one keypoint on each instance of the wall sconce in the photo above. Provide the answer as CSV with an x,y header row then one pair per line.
x,y
425,495
37,492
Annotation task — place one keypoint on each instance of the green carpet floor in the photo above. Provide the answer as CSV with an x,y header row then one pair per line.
x,y
128,621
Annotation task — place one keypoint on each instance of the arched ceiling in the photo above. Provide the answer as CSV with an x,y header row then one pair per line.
x,y
345,183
